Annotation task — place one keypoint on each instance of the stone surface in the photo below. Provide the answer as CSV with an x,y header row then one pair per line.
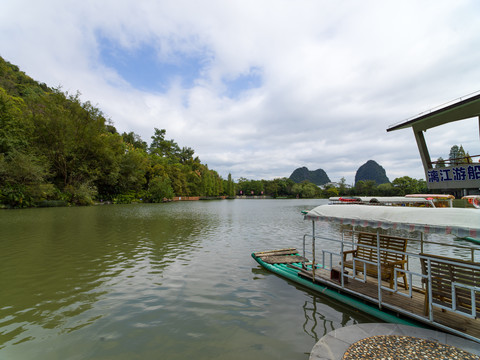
x,y
397,338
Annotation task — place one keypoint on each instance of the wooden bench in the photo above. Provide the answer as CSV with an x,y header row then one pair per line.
x,y
388,260
443,274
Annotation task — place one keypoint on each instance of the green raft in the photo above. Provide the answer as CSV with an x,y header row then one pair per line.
x,y
469,238
292,273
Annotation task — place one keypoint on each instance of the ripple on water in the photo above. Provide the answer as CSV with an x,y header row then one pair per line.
x,y
137,281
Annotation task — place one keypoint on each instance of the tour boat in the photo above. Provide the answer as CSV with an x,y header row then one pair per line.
x,y
383,200
474,200
397,263
422,200
439,200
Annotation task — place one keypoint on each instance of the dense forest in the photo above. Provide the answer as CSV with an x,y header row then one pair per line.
x,y
57,150
54,148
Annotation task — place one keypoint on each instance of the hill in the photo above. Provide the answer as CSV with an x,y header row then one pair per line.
x,y
54,148
318,177
371,170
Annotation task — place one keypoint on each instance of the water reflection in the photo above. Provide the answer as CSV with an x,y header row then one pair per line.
x,y
136,281
310,317
318,323
59,266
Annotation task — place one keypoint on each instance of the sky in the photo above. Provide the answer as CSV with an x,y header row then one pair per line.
x,y
260,88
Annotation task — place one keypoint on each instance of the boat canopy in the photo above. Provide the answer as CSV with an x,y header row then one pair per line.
x,y
433,196
474,200
457,221
385,200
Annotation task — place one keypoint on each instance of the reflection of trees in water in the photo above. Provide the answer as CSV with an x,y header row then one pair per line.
x,y
62,261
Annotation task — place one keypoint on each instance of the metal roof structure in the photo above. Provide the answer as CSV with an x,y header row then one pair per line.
x,y
459,109
463,177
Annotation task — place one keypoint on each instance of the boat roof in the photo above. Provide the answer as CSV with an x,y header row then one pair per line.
x,y
433,196
380,199
457,221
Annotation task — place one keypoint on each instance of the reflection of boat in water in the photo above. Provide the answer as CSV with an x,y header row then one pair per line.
x,y
395,278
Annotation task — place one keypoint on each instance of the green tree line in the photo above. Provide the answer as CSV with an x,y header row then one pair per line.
x,y
56,148
288,188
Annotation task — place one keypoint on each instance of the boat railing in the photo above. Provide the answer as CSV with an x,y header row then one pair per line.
x,y
421,281
455,282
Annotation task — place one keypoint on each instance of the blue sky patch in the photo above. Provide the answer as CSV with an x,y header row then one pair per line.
x,y
142,67
244,82
144,70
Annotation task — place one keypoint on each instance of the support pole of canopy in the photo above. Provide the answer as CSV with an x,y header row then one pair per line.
x,y
379,271
421,242
341,257
422,148
313,251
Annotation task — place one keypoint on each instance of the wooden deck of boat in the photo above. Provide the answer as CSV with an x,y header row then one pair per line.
x,y
398,303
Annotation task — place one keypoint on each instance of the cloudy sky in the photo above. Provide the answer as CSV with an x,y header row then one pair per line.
x,y
259,88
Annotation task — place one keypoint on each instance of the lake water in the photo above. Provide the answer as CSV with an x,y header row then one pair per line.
x,y
157,281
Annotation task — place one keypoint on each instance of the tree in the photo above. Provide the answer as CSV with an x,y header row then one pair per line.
x,y
360,187
272,188
186,155
22,179
385,189
342,189
309,190
15,123
178,179
135,140
370,187
159,190
23,168
330,191
230,186
132,170
461,156
162,147
440,163
406,185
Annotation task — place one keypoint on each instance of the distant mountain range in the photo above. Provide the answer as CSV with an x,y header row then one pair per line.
x,y
371,170
318,177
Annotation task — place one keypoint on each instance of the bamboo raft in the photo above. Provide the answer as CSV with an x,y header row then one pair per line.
x,y
399,302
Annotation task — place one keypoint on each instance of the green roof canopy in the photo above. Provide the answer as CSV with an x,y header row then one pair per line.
x,y
459,109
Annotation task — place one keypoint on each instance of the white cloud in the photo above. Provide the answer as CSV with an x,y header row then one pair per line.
x,y
332,76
